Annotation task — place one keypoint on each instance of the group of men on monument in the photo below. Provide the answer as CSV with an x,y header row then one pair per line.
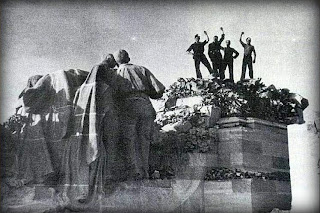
x,y
121,111
219,63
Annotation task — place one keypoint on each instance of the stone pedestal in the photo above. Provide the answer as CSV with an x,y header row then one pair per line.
x,y
253,144
246,195
248,144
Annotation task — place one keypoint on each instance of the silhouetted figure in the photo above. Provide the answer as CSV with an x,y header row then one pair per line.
x,y
198,54
247,59
228,58
215,55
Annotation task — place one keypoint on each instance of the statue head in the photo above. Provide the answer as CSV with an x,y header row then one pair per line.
x,y
215,38
228,42
121,57
110,61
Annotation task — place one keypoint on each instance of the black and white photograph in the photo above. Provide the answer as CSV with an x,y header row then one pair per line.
x,y
159,106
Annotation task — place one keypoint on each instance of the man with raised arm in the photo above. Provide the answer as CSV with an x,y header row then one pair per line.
x,y
137,113
215,55
229,55
198,54
247,59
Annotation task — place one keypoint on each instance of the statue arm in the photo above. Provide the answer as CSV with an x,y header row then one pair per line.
x,y
156,87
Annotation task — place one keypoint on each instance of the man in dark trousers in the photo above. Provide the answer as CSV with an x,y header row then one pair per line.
x,y
228,58
215,55
247,59
198,48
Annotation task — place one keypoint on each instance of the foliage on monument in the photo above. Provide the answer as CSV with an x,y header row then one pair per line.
x,y
197,140
15,123
222,173
169,147
248,98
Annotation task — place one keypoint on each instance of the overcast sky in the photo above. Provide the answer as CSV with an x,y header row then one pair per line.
x,y
43,38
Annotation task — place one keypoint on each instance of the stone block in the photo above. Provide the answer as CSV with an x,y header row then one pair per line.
x,y
195,202
280,163
228,202
230,134
253,144
43,192
241,185
252,161
217,187
220,209
158,183
230,122
264,201
127,200
156,199
266,163
264,135
263,186
192,173
276,149
224,160
197,159
256,162
246,195
236,159
284,201
217,199
254,147
232,146
211,160
283,186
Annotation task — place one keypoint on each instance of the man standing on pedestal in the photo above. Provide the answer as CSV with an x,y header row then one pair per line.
x,y
137,113
215,55
228,58
198,48
247,59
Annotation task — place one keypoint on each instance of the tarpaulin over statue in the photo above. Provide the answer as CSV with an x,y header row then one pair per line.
x,y
93,153
48,107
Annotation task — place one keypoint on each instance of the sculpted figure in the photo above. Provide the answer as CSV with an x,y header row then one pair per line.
x,y
137,112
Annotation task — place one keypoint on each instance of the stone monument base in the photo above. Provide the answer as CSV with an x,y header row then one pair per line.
x,y
181,196
246,195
